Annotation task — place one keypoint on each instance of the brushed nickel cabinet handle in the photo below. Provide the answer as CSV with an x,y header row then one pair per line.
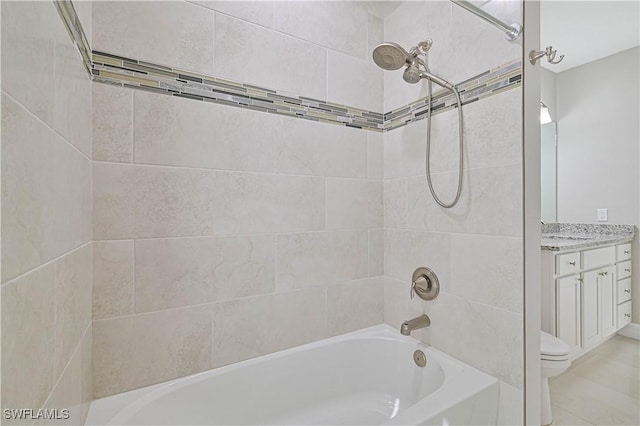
x,y
627,315
627,291
627,269
627,252
572,263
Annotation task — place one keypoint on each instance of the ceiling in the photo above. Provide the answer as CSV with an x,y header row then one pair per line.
x,y
588,30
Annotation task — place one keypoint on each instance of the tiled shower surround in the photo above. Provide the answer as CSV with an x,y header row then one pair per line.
x,y
222,233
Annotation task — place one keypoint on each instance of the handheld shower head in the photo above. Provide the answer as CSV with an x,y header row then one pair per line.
x,y
391,56
412,74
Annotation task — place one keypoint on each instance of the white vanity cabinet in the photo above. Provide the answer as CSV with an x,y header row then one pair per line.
x,y
586,294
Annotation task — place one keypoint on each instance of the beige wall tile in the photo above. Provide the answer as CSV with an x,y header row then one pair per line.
x,y
112,278
491,202
321,258
496,262
189,271
354,305
396,203
354,82
181,132
156,32
146,201
250,327
86,374
511,405
375,149
28,323
354,203
281,63
72,94
46,193
112,109
259,12
396,302
376,252
340,26
28,55
139,350
404,251
469,331
72,281
375,31
311,148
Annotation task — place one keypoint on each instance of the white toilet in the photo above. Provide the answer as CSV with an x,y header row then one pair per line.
x,y
554,358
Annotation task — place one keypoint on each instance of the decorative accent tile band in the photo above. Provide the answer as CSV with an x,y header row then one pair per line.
x,y
74,27
488,83
127,72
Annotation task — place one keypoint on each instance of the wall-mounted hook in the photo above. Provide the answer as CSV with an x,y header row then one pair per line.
x,y
548,52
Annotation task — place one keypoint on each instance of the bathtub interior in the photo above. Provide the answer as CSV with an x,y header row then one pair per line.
x,y
367,377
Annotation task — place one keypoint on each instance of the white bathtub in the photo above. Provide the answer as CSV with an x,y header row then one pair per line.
x,y
363,378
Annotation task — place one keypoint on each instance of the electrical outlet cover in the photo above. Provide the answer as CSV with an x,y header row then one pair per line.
x,y
603,215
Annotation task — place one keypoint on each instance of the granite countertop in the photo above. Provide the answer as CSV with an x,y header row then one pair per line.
x,y
576,236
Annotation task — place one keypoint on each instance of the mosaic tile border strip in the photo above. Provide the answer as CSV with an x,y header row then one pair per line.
x,y
74,27
127,72
488,83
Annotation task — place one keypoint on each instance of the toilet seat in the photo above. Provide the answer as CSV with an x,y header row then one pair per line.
x,y
552,348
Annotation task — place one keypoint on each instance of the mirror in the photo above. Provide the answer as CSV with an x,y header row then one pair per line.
x,y
589,150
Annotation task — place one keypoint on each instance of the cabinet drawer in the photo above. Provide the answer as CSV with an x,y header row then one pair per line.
x,y
624,269
624,314
598,257
623,252
567,263
624,290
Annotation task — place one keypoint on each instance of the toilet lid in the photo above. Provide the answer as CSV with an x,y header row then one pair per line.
x,y
552,346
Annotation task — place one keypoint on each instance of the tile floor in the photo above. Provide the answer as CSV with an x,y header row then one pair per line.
x,y
600,388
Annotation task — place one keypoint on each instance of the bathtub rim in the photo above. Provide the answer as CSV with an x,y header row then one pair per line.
x,y
461,381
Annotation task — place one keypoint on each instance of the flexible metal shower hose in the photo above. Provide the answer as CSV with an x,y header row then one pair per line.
x,y
460,145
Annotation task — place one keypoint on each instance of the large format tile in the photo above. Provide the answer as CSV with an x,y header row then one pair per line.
x,y
562,417
148,201
596,403
375,154
404,251
354,305
28,324
467,330
491,202
281,62
354,203
341,26
311,148
28,38
259,12
376,252
511,405
610,373
140,350
46,193
72,94
112,278
156,32
250,327
321,258
112,110
395,203
488,270
354,82
189,271
181,132
72,280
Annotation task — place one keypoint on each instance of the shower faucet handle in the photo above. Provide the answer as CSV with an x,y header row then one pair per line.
x,y
425,284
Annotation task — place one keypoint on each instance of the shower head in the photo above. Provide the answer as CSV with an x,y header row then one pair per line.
x,y
391,56
412,74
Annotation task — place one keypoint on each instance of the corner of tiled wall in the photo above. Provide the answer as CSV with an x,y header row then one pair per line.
x,y
46,220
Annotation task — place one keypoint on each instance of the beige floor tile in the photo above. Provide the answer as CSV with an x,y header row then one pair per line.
x,y
562,417
611,373
596,403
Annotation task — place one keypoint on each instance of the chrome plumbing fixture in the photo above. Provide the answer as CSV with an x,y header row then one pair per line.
x,y
425,284
391,56
417,323
534,55
511,32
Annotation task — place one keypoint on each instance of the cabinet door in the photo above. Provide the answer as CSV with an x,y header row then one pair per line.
x,y
608,301
568,311
590,309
